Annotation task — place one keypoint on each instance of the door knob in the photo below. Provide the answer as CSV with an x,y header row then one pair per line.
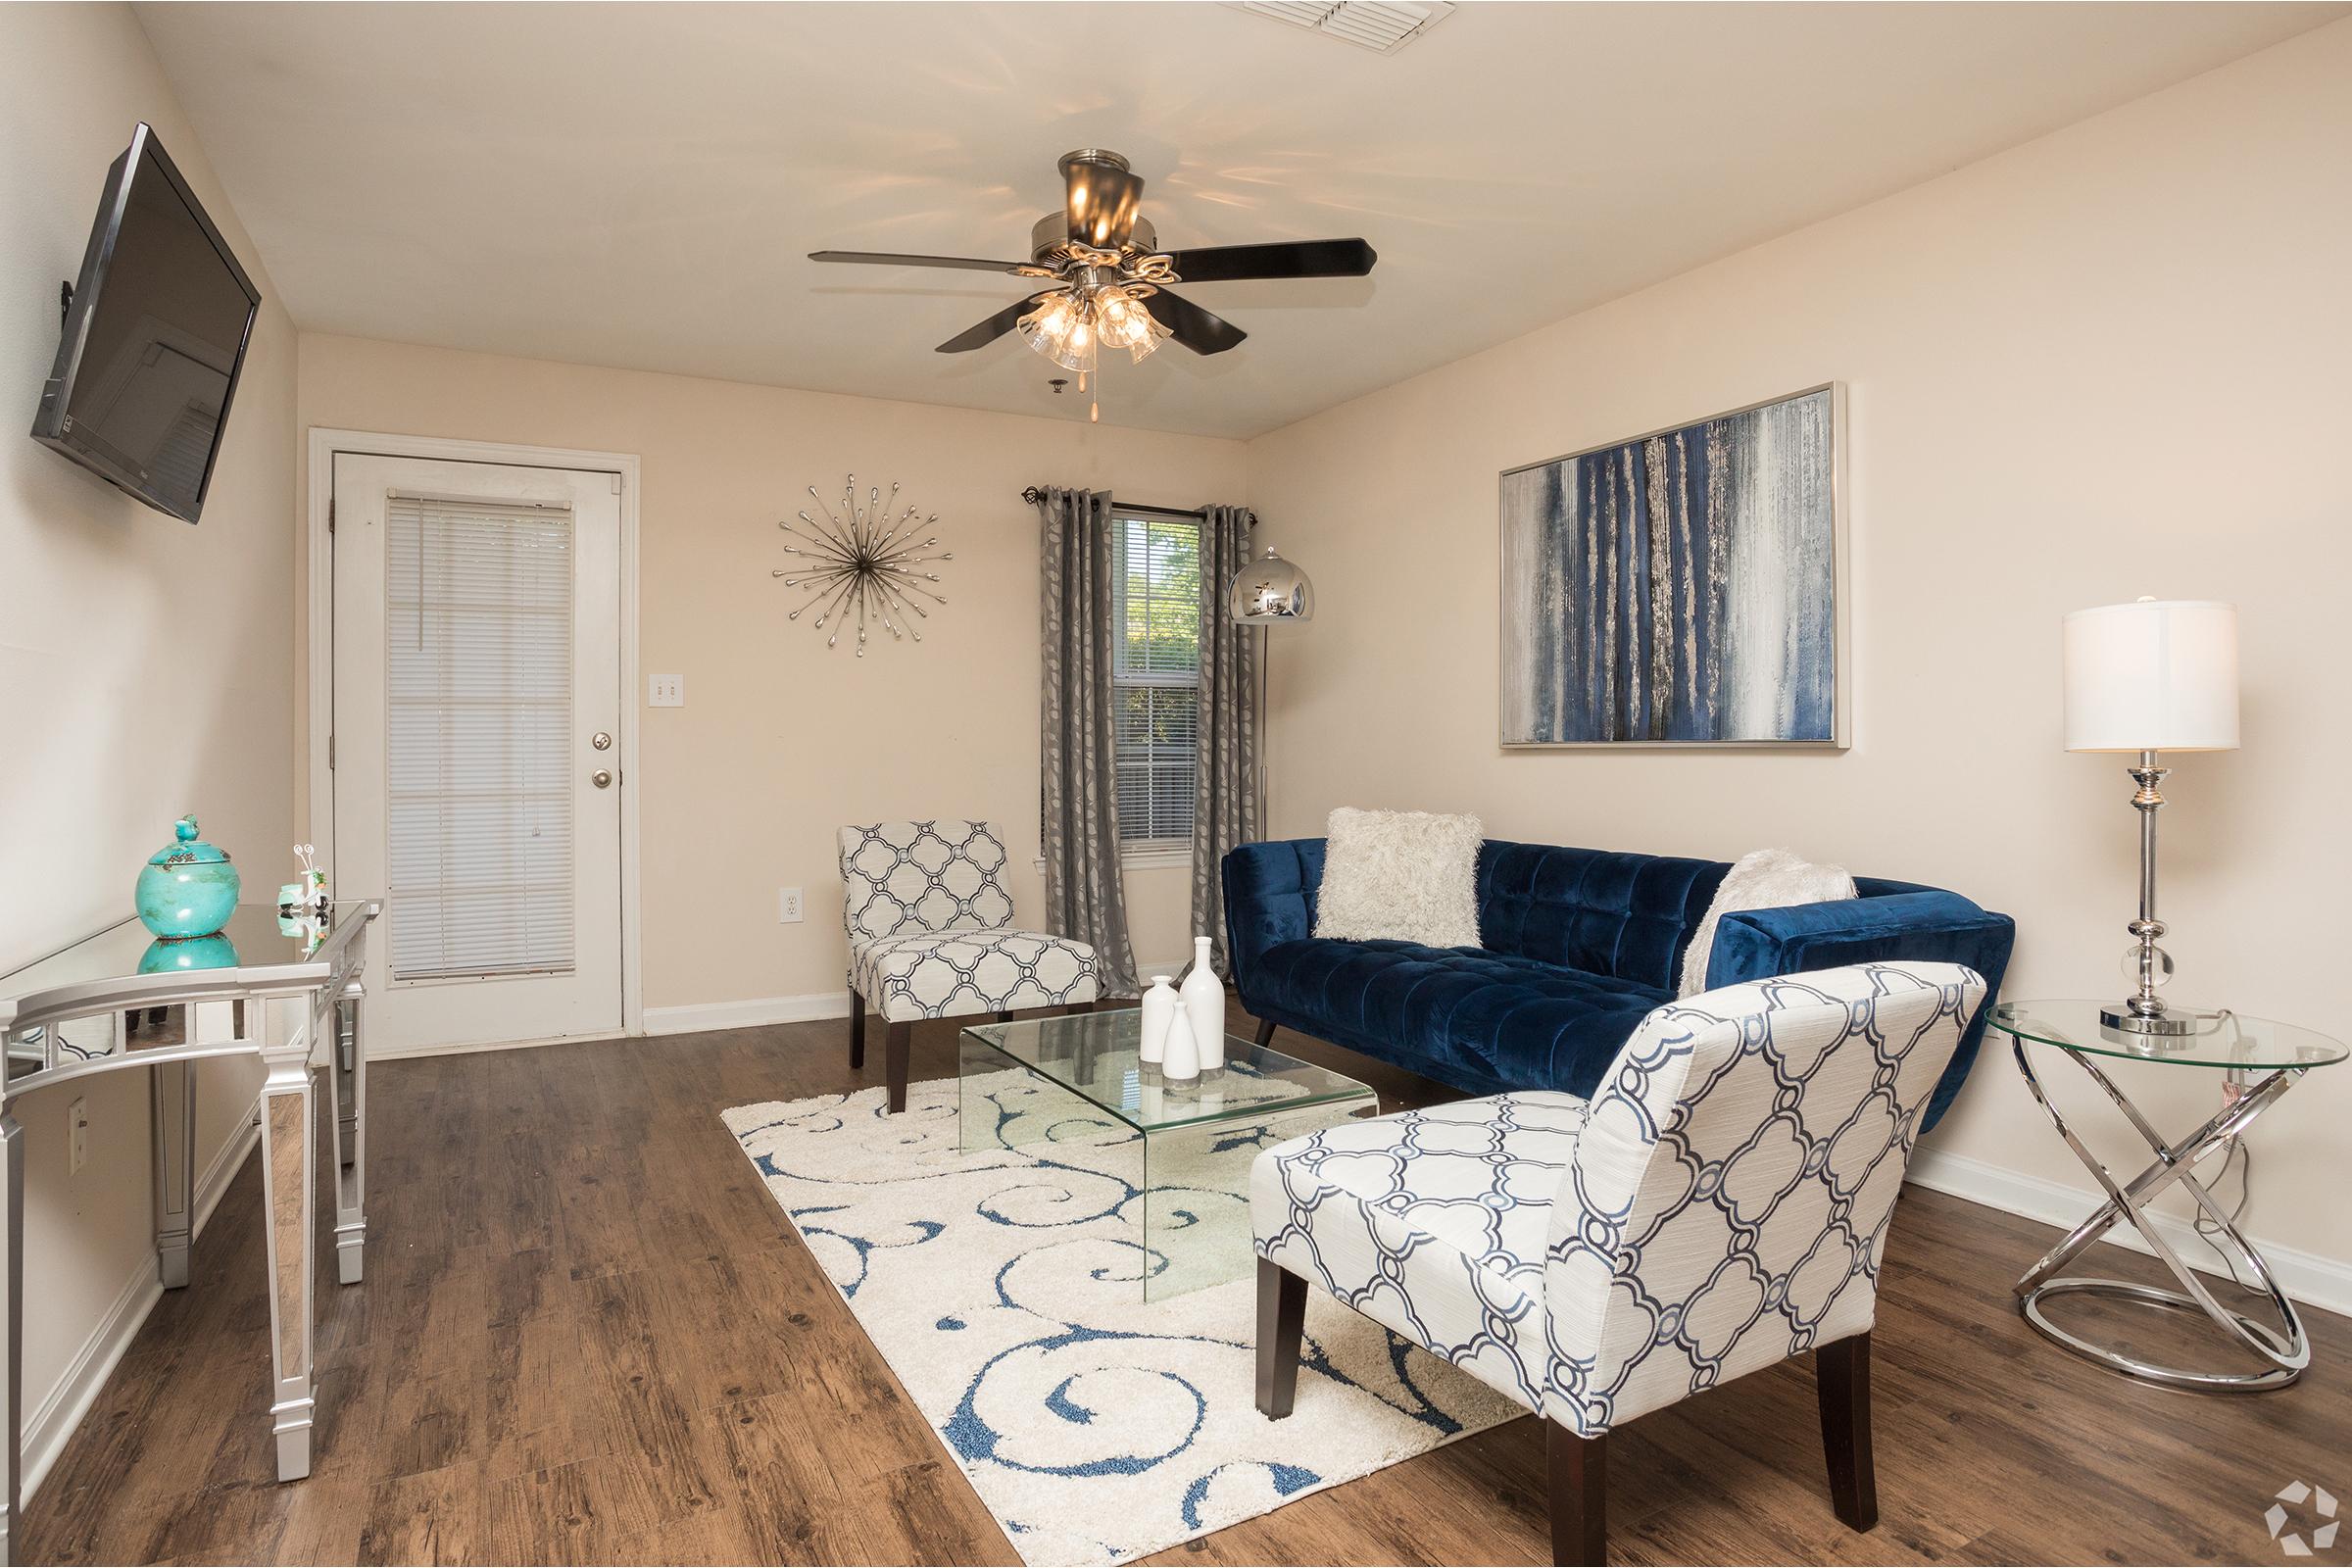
x,y
601,740
601,778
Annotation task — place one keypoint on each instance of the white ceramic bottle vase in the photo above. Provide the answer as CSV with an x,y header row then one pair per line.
x,y
1180,1059
1204,1008
1160,1005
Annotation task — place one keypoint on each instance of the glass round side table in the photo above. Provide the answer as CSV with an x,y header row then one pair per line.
x,y
2262,1059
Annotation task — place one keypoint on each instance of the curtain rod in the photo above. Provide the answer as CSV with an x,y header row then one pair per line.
x,y
1036,493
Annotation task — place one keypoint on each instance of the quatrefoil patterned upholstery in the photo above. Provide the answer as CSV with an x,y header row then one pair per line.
x,y
930,927
1721,1203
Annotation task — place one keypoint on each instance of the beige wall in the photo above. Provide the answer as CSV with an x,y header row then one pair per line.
x,y
144,664
782,740
2110,362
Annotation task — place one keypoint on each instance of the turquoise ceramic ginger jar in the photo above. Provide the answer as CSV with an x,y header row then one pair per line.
x,y
187,888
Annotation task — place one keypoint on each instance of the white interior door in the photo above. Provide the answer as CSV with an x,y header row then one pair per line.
x,y
476,757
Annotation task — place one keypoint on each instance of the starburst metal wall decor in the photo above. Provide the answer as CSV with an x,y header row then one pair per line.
x,y
864,563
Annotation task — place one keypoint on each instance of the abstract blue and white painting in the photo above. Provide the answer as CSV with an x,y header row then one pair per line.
x,y
1682,587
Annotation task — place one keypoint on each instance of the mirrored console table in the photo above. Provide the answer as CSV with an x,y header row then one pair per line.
x,y
285,990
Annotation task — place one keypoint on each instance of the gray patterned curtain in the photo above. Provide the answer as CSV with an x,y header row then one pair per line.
x,y
1084,896
1225,776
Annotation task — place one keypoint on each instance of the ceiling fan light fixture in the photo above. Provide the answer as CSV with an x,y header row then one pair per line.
x,y
1071,329
1126,324
1058,330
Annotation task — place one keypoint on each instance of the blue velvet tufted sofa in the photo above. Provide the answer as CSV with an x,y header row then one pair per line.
x,y
1576,946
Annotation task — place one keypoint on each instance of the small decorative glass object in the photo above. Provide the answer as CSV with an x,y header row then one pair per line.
x,y
312,892
188,887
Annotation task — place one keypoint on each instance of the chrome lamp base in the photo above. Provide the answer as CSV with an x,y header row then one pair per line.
x,y
2121,1016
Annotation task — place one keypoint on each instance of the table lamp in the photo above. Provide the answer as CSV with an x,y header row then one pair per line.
x,y
2157,675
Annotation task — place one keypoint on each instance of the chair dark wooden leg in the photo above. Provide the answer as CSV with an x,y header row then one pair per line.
x,y
901,1038
856,1032
1003,1018
1281,1322
1265,1033
1842,1376
1580,1492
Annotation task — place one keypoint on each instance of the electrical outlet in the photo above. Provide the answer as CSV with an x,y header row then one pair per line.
x,y
788,906
77,1137
665,691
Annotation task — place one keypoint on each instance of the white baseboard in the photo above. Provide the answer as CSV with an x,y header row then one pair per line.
x,y
54,1420
47,1428
468,1047
214,1181
695,1017
2311,1278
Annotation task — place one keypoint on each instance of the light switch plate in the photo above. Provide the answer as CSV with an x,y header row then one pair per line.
x,y
788,906
77,1137
665,691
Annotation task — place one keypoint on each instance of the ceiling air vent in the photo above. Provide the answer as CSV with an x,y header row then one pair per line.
x,y
1383,27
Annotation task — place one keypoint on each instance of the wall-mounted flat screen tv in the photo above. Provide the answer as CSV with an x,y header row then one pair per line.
x,y
155,338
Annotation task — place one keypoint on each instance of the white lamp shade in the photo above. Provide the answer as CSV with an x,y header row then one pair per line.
x,y
2159,675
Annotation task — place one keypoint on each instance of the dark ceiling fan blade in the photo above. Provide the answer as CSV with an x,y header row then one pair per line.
x,y
1303,258
1104,198
1191,325
884,259
988,332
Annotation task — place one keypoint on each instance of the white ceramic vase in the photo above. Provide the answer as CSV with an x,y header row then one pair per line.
x,y
1180,1060
1160,1005
1204,1008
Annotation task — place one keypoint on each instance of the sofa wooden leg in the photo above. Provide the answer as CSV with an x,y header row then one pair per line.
x,y
1842,1376
1281,1323
1265,1033
1580,1490
894,1049
856,1032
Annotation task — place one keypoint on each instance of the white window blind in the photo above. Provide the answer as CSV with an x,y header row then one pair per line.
x,y
478,625
1155,673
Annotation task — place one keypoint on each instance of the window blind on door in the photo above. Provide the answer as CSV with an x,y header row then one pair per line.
x,y
478,631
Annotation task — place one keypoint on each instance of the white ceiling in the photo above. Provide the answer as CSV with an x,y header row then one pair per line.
x,y
637,186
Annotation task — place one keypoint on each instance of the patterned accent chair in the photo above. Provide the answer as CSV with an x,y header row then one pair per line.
x,y
1720,1204
931,936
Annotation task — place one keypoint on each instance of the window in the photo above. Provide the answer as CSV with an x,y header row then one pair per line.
x,y
1155,673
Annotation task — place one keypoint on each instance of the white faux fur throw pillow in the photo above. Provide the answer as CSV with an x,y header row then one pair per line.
x,y
1410,877
1764,879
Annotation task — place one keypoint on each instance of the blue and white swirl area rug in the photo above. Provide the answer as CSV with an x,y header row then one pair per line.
x,y
1002,1288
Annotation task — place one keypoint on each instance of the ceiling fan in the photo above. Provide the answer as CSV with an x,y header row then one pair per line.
x,y
1108,279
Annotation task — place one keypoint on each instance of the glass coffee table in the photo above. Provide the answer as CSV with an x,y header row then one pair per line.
x,y
1184,1149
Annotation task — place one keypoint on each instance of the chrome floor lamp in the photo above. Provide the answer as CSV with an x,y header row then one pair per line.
x,y
2157,675
1267,593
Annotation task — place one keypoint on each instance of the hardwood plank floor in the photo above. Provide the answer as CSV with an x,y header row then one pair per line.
x,y
587,1335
